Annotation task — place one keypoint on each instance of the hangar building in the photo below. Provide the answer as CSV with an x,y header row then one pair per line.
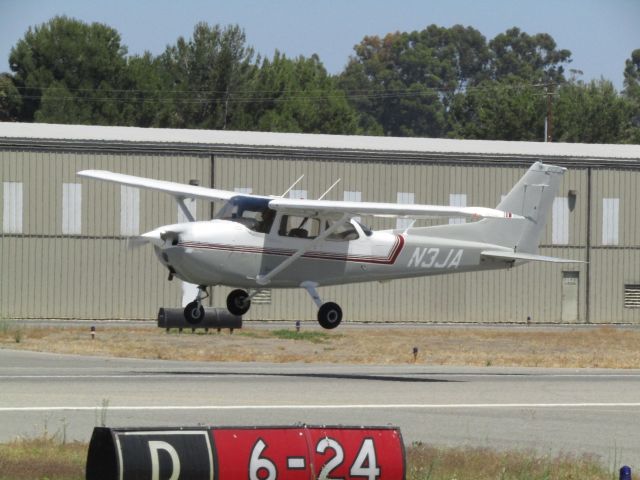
x,y
63,248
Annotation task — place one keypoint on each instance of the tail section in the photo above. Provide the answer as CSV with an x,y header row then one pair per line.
x,y
532,198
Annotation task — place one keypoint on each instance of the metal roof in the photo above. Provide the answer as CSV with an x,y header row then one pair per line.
x,y
35,133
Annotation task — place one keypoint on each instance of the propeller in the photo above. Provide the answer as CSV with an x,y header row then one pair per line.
x,y
158,237
134,243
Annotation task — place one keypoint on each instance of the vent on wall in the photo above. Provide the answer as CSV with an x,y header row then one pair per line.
x,y
632,296
263,297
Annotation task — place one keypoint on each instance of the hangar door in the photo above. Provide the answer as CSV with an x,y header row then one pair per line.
x,y
570,287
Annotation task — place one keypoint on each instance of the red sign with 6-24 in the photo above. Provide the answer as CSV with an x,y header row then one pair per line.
x,y
307,452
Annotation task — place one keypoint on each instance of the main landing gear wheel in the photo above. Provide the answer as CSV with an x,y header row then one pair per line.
x,y
238,302
329,315
194,312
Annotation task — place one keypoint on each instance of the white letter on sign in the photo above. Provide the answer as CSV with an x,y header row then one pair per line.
x,y
154,447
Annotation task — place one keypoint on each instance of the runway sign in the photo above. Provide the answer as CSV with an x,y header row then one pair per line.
x,y
254,453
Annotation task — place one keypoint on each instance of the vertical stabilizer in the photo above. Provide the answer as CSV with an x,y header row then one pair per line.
x,y
532,197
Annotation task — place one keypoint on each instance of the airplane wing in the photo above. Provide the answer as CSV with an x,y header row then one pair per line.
x,y
301,206
526,257
337,208
178,190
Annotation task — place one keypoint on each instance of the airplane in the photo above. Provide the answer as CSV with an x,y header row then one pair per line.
x,y
256,242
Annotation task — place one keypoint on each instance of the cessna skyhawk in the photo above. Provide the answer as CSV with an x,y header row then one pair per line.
x,y
256,242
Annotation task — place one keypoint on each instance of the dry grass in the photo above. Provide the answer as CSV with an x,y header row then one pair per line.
x,y
603,347
426,462
42,458
48,458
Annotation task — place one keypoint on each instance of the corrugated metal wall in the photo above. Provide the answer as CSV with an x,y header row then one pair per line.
x,y
91,274
613,266
49,274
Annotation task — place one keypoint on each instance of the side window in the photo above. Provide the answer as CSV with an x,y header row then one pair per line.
x,y
344,232
299,227
265,220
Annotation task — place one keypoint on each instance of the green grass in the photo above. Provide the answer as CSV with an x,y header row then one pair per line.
x,y
49,458
313,337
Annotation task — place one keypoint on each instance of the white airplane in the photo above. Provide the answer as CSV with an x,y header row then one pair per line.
x,y
256,242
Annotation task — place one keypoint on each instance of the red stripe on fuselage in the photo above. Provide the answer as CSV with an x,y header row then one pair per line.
x,y
317,255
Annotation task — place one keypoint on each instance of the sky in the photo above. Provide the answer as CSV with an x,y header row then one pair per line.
x,y
601,34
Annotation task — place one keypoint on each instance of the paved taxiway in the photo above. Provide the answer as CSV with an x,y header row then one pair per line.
x,y
578,411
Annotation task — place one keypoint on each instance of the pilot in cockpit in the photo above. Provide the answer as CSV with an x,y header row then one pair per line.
x,y
265,220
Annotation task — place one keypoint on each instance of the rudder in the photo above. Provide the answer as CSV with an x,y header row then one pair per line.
x,y
532,197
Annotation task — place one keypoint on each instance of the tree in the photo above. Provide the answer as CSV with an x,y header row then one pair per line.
x,y
510,105
406,81
409,83
632,96
533,58
590,113
499,110
10,99
297,95
147,96
204,73
66,64
58,105
632,75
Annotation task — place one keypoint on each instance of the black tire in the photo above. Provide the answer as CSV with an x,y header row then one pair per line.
x,y
193,313
238,302
329,315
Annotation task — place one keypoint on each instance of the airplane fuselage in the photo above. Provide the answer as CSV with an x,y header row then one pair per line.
x,y
223,252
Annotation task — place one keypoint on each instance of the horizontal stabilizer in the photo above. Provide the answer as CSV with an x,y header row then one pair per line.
x,y
529,257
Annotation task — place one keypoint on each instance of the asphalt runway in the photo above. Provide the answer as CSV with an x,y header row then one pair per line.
x,y
550,411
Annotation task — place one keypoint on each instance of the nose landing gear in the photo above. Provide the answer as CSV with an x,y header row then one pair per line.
x,y
194,311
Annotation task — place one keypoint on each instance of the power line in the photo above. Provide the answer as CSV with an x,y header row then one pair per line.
x,y
251,96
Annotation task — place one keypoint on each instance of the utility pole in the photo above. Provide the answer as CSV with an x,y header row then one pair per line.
x,y
548,124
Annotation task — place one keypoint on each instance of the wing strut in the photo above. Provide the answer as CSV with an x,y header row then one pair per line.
x,y
265,279
184,209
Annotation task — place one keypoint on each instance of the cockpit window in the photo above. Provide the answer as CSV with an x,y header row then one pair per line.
x,y
300,227
344,232
367,231
253,213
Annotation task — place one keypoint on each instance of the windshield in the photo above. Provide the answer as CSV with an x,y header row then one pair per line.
x,y
253,213
367,231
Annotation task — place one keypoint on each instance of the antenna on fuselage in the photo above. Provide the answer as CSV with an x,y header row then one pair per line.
x,y
329,189
304,220
293,185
